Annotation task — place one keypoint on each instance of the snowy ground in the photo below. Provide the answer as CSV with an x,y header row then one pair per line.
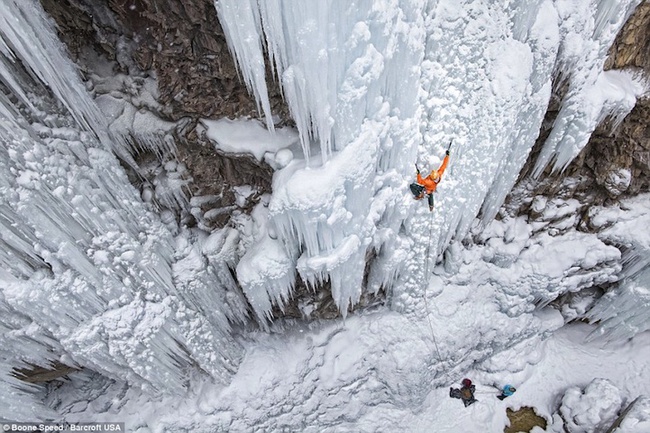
x,y
565,361
356,377
384,371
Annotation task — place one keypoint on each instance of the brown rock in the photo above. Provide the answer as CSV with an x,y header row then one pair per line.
x,y
632,46
598,173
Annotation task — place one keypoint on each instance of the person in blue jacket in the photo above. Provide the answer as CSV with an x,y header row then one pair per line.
x,y
507,391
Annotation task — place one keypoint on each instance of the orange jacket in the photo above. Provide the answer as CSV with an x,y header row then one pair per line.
x,y
430,183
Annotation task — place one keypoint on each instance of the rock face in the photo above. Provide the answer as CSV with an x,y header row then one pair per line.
x,y
629,146
40,374
616,161
632,47
182,46
181,43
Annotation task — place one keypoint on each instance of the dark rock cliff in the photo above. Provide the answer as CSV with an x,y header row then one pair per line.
x,y
629,145
182,46
180,42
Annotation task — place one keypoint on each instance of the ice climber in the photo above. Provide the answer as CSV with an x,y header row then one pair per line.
x,y
427,185
466,393
507,391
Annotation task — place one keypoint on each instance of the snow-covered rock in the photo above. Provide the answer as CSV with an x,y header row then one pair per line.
x,y
592,409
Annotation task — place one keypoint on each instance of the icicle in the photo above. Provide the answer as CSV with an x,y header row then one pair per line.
x,y
240,22
85,265
27,34
31,36
587,34
623,312
267,275
344,71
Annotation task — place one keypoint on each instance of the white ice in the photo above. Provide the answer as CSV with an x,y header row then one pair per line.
x,y
373,87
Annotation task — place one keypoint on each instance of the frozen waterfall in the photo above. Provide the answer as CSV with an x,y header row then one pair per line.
x,y
376,86
90,276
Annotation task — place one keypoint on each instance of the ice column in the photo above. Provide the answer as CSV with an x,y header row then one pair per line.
x,y
486,82
624,311
88,272
27,35
240,21
350,75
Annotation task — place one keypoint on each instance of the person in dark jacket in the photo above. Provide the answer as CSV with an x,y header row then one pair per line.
x,y
466,393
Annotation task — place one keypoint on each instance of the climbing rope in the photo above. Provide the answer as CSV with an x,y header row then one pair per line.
x,y
426,284
426,276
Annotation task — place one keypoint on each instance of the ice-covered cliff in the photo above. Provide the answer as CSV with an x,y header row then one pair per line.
x,y
137,286
91,277
389,85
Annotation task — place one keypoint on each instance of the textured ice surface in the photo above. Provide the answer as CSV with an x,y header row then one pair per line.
x,y
374,87
90,275
624,311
